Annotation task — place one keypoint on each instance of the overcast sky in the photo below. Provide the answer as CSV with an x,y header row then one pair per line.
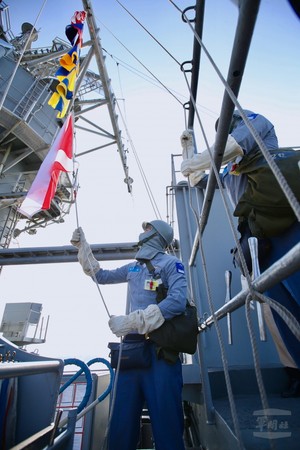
x,y
155,120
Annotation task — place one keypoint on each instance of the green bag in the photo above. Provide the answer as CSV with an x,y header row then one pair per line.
x,y
263,205
178,334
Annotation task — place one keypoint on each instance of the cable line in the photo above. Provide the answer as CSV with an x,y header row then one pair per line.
x,y
148,32
142,172
143,65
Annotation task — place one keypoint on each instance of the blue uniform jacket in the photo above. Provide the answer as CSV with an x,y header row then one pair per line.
x,y
171,271
234,184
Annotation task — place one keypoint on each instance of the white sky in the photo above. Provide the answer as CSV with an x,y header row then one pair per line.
x,y
271,85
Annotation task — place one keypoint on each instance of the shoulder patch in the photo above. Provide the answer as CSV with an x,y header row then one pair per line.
x,y
179,267
134,269
252,116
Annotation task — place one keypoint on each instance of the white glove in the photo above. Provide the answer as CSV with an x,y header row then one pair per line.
x,y
202,161
196,177
232,150
187,169
77,237
188,153
141,321
187,143
198,163
85,256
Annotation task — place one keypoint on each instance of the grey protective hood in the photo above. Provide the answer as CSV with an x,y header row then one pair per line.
x,y
151,243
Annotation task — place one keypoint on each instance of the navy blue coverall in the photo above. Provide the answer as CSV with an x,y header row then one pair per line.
x,y
159,386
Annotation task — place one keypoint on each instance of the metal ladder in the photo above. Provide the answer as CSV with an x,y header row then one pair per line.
x,y
89,86
6,231
28,102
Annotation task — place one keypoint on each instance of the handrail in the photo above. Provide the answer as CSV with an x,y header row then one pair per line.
x,y
282,268
63,440
45,433
15,369
66,253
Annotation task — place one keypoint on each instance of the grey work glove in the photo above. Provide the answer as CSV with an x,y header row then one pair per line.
x,y
142,321
86,258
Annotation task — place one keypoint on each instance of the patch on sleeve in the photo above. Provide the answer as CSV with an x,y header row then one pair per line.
x,y
252,116
179,267
134,269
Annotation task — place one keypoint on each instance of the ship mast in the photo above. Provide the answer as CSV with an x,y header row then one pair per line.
x,y
109,96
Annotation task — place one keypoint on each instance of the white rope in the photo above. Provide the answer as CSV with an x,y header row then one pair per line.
x,y
113,394
93,275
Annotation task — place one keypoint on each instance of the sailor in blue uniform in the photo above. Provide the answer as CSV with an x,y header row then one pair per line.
x,y
160,385
241,142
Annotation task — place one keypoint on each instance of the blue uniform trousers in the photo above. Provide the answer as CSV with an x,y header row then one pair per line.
x,y
287,292
160,387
